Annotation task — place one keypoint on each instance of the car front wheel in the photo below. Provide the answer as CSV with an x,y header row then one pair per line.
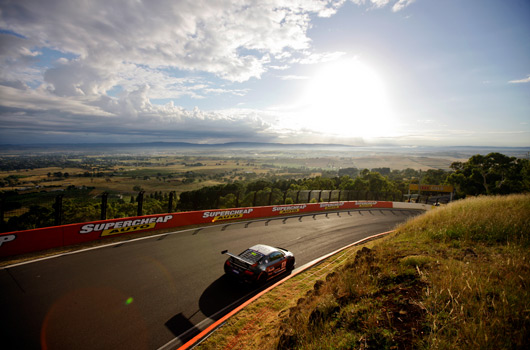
x,y
290,265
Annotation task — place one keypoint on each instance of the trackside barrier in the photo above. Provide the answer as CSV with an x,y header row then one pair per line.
x,y
21,242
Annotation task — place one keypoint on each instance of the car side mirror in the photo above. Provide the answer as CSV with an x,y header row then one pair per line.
x,y
224,252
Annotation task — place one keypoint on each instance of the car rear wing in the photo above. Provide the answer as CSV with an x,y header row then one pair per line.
x,y
249,262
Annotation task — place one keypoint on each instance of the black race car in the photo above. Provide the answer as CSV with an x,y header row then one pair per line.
x,y
259,263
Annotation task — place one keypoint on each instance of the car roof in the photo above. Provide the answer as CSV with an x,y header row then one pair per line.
x,y
264,249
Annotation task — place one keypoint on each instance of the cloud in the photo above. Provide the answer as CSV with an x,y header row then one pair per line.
x,y
18,57
399,5
41,101
380,3
88,119
521,81
227,38
320,57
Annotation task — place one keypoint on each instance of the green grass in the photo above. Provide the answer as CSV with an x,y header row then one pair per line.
x,y
457,277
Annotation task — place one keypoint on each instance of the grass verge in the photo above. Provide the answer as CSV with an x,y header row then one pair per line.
x,y
456,277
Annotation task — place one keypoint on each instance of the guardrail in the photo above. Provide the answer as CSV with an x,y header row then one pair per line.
x,y
22,242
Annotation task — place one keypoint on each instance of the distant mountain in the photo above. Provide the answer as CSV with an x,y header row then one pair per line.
x,y
309,149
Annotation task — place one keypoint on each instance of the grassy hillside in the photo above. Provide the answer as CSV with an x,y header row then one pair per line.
x,y
457,277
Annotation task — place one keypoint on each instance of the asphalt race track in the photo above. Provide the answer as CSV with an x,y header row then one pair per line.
x,y
159,291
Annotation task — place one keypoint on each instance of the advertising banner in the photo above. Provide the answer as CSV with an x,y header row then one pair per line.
x,y
15,243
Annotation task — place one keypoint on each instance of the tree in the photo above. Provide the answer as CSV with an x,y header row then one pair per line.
x,y
494,173
358,185
259,185
352,172
382,171
434,177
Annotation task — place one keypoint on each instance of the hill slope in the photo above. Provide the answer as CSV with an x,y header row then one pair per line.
x,y
456,277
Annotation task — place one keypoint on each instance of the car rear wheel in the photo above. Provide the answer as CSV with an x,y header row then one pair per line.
x,y
262,278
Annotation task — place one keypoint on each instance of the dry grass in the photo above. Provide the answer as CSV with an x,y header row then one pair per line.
x,y
456,277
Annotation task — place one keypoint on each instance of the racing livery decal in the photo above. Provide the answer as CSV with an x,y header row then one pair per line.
x,y
117,227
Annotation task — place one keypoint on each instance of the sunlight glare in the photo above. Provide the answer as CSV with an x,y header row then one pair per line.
x,y
347,99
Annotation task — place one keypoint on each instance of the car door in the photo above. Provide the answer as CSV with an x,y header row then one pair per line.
x,y
278,263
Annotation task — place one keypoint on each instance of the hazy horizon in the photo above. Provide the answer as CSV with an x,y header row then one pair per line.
x,y
256,149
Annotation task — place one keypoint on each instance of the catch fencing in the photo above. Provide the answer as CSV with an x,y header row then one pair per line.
x,y
68,209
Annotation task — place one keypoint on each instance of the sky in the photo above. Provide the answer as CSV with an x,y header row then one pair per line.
x,y
355,72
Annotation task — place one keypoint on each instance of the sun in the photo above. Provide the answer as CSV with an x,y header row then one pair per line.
x,y
347,99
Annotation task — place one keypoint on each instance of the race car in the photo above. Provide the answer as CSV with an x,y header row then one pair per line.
x,y
259,263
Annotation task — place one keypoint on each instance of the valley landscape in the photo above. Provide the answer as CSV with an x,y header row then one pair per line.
x,y
183,167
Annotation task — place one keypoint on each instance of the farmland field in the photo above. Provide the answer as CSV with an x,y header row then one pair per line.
x,y
123,169
125,174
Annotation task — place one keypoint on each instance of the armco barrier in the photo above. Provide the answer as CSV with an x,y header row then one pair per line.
x,y
21,242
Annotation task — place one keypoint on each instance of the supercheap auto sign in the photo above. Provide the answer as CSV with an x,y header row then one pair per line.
x,y
125,226
227,214
288,209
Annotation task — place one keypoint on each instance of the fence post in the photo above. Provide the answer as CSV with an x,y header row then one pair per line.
x,y
140,200
297,195
104,198
284,196
237,199
2,211
58,206
216,204
270,198
319,196
338,200
170,202
309,196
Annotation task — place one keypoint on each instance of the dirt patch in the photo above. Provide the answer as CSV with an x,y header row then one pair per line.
x,y
388,315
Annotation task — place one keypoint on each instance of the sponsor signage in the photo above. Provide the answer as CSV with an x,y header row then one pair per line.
x,y
226,214
289,209
7,238
431,188
366,204
331,206
124,226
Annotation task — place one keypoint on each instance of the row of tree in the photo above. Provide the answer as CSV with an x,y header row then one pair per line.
x,y
480,175
494,173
